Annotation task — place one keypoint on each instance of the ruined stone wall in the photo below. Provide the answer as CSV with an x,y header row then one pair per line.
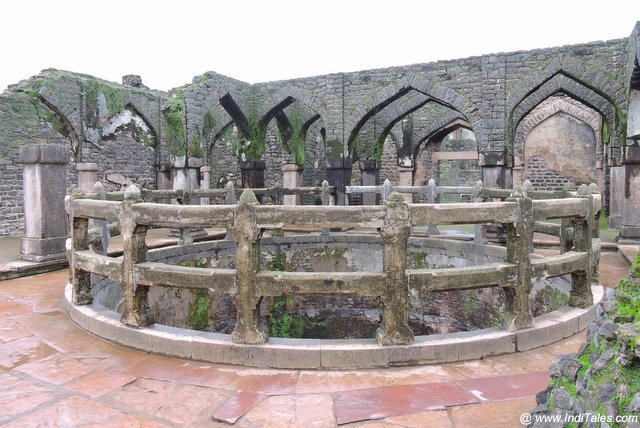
x,y
20,124
492,93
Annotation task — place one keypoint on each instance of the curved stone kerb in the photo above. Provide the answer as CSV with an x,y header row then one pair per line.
x,y
331,354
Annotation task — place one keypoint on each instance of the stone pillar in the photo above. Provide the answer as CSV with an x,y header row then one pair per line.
x,y
630,222
252,174
616,196
292,178
405,178
369,176
494,171
339,176
87,176
517,171
44,186
494,176
205,183
163,181
186,177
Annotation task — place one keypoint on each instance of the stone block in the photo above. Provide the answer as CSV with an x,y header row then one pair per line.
x,y
43,153
484,343
353,354
425,350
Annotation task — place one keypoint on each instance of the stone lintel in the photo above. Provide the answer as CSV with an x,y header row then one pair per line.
x,y
43,153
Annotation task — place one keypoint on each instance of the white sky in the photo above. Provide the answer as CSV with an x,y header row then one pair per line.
x,y
168,43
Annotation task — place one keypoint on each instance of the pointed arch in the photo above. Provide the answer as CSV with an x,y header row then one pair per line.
x,y
549,107
398,89
590,86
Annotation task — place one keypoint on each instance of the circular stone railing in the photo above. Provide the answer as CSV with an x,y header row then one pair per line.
x,y
249,344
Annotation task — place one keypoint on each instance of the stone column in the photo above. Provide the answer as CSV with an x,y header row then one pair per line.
x,y
163,181
291,178
616,196
186,177
339,176
44,186
405,178
630,222
369,176
87,176
205,183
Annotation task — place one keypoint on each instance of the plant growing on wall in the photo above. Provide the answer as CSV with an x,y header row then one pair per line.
x,y
294,138
249,144
173,114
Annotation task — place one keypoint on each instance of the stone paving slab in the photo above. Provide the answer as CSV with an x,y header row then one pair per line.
x,y
54,374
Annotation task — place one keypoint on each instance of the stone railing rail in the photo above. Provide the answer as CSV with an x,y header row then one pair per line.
x,y
247,283
229,193
430,191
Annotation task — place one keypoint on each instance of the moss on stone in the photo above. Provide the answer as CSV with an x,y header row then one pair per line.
x,y
199,310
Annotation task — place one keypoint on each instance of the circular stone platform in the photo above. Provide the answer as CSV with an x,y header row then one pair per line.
x,y
331,354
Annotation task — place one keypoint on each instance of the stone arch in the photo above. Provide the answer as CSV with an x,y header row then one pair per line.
x,y
287,95
396,90
140,124
565,74
430,139
573,88
129,150
574,69
144,111
547,108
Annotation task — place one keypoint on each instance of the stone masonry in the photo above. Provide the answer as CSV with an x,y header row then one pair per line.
x,y
393,116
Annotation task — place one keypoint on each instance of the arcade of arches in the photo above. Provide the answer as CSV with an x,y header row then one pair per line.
x,y
550,116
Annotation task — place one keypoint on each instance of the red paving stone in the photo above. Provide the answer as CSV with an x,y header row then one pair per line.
x,y
506,387
54,374
237,406
379,403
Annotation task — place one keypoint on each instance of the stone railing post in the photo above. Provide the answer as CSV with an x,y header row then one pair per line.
x,y
405,178
325,195
518,314
87,176
430,194
291,178
136,311
480,230
230,199
385,190
580,295
395,234
566,233
205,183
78,232
595,233
247,236
102,246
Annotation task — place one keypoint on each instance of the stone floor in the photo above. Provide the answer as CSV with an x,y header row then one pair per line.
x,y
54,374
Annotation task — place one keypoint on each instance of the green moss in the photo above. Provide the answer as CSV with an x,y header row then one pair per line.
x,y
278,261
630,375
606,132
199,311
584,360
628,295
416,260
282,323
552,298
